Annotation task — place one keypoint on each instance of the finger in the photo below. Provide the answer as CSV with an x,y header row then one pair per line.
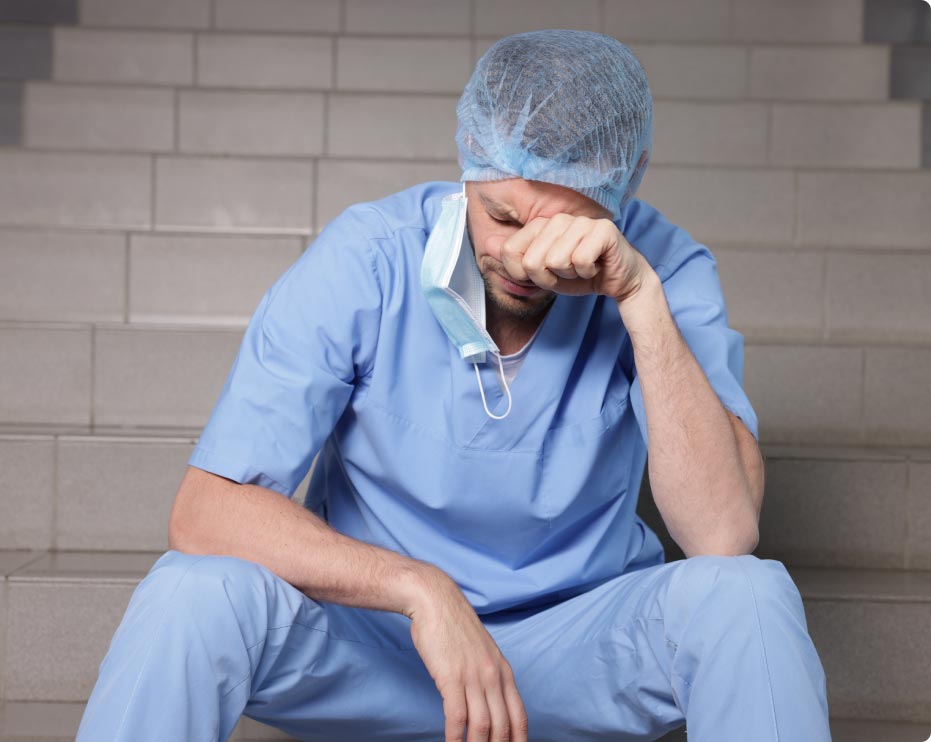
x,y
514,247
479,723
559,257
535,256
588,252
516,710
456,713
500,718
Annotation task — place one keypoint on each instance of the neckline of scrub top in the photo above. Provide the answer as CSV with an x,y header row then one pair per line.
x,y
535,392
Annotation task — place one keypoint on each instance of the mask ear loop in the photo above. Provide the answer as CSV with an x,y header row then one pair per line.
x,y
482,391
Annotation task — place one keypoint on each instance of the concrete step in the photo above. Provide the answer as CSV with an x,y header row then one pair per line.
x,y
844,507
824,506
870,628
897,21
58,722
90,377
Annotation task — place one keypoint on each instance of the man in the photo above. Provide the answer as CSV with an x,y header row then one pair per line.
x,y
481,574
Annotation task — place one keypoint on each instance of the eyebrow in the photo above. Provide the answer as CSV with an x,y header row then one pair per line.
x,y
499,207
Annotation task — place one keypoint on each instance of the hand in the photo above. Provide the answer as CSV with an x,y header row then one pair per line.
x,y
471,674
575,255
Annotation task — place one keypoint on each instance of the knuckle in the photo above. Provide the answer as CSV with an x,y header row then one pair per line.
x,y
458,717
523,723
482,725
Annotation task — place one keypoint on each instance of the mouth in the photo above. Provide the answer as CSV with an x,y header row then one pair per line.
x,y
522,288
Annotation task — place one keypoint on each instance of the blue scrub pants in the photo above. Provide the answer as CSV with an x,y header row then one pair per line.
x,y
719,642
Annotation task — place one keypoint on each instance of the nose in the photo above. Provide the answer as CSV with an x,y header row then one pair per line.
x,y
493,245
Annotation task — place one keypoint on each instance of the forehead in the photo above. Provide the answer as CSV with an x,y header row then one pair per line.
x,y
534,197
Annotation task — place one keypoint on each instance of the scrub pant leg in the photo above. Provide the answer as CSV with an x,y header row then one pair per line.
x,y
206,639
720,642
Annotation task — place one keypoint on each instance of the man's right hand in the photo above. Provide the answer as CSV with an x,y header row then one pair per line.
x,y
473,677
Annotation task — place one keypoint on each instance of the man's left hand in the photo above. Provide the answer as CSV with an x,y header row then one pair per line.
x,y
575,255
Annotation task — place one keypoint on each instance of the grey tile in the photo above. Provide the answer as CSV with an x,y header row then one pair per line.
x,y
117,494
11,561
873,654
75,190
101,118
62,276
344,182
49,12
835,21
11,114
126,567
255,123
408,65
857,585
278,15
215,280
855,135
503,17
819,72
869,209
700,133
146,14
879,297
918,547
835,513
25,53
45,375
897,404
233,194
3,612
248,729
154,377
926,135
724,205
695,71
909,76
896,21
156,58
805,394
271,60
27,492
868,730
673,20
773,293
58,633
407,17
392,126
40,722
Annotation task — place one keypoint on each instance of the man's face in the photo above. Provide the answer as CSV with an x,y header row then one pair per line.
x,y
499,208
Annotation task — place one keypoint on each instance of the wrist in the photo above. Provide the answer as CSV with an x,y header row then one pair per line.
x,y
419,583
644,297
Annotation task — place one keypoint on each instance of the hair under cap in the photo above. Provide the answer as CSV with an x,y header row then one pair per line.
x,y
571,108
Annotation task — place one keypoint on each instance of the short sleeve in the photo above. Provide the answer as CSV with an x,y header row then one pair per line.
x,y
696,302
311,338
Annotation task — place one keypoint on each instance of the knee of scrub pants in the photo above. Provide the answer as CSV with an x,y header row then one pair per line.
x,y
713,600
221,603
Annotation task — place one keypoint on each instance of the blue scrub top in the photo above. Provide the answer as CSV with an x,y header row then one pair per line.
x,y
343,356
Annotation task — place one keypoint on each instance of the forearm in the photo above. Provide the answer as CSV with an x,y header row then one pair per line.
x,y
696,471
212,515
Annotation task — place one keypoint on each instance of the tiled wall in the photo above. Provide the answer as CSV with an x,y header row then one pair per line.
x,y
175,157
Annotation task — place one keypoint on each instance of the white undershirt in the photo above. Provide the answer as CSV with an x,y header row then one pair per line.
x,y
513,362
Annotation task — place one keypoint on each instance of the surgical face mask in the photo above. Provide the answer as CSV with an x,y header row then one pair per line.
x,y
455,291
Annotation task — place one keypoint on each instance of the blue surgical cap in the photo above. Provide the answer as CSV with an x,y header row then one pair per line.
x,y
566,107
